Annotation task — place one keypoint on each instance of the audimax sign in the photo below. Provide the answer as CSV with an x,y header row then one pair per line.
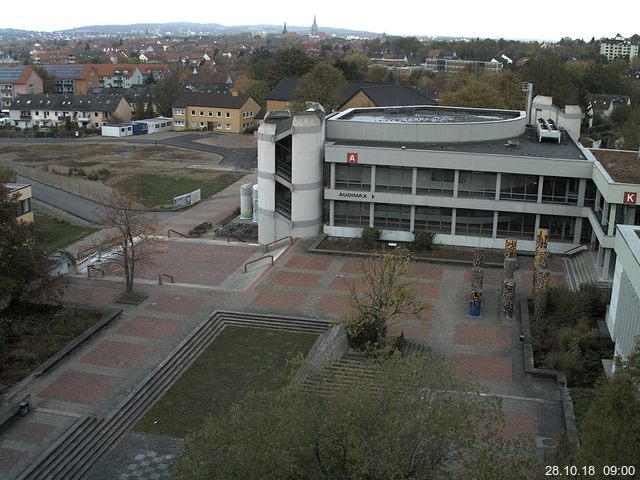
x,y
354,195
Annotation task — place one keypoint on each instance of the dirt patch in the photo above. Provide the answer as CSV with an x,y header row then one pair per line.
x,y
71,166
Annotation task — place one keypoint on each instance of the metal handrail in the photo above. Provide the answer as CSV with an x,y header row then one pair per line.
x,y
237,239
266,247
254,261
170,277
175,231
91,267
575,249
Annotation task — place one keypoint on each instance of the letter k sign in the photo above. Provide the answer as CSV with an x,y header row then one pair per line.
x,y
630,198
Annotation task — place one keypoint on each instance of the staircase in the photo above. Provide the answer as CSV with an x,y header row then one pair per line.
x,y
582,271
73,454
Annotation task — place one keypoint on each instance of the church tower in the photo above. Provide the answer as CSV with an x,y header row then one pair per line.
x,y
314,27
284,31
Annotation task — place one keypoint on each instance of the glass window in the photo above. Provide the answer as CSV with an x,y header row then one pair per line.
x,y
435,181
351,214
227,114
433,219
516,225
476,184
357,177
519,187
590,194
560,228
392,217
560,190
474,222
394,179
24,206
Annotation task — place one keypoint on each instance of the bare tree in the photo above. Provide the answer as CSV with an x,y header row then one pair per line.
x,y
130,238
384,293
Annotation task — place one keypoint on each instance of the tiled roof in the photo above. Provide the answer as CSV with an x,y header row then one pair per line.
x,y
112,69
93,103
210,100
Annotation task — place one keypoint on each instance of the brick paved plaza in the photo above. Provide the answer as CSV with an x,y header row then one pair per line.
x,y
103,371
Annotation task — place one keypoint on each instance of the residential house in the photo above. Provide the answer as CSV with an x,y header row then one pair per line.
x,y
83,111
208,111
23,193
18,80
73,79
131,94
118,75
154,72
602,105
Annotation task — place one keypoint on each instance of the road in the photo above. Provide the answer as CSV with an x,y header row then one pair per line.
x,y
79,206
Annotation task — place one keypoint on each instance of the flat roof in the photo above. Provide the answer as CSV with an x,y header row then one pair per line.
x,y
523,146
622,165
14,187
426,114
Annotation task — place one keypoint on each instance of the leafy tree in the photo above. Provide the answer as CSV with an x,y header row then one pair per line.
x,y
484,90
138,113
47,80
130,235
610,428
24,267
149,111
258,89
166,92
551,77
631,130
377,74
285,62
323,84
387,293
396,423
354,66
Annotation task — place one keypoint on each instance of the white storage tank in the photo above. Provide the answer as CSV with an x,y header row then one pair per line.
x,y
255,203
246,202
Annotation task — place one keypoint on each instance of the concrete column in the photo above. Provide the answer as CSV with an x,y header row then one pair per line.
x,y
536,226
371,214
373,178
494,231
414,183
600,256
604,275
332,212
453,221
582,188
456,179
577,230
412,221
540,184
612,219
605,214
498,180
332,185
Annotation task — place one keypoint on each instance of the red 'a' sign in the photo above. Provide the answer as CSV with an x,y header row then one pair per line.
x,y
630,198
352,157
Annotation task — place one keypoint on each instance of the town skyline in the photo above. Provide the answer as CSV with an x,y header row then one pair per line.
x,y
496,19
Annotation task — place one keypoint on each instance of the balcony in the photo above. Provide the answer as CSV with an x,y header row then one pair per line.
x,y
284,170
283,207
25,117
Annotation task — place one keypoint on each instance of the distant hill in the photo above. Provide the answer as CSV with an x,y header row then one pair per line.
x,y
187,28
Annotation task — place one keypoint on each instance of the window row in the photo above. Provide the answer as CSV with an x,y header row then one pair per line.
x,y
477,223
471,184
210,114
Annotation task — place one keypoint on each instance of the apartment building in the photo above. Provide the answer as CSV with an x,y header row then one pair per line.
x,y
73,79
17,80
215,112
83,111
24,212
618,47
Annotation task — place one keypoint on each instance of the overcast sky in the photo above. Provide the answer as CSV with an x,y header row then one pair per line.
x,y
543,20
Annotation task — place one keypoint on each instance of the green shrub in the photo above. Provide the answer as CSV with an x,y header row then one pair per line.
x,y
369,237
423,241
22,355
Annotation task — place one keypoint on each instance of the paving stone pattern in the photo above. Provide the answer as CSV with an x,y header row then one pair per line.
x,y
95,378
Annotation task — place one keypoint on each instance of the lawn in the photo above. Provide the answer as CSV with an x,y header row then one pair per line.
x,y
55,234
157,191
238,361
